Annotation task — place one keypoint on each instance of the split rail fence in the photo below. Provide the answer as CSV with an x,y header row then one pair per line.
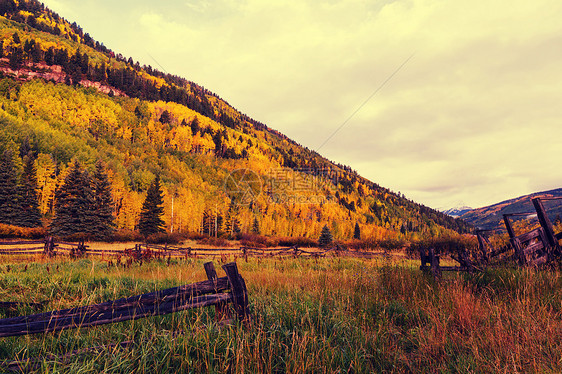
x,y
214,291
49,247
536,247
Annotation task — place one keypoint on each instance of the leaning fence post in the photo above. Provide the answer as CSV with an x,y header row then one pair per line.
x,y
545,222
239,291
221,310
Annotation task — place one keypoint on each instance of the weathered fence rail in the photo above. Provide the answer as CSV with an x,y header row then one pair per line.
x,y
214,291
536,247
147,251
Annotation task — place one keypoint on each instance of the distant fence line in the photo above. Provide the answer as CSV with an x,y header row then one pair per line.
x,y
49,247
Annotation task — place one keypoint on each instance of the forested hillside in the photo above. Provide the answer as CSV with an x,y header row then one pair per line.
x,y
491,217
64,97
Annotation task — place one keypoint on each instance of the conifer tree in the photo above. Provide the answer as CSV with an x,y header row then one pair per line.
x,y
103,203
8,189
75,205
256,226
326,237
357,231
28,201
152,209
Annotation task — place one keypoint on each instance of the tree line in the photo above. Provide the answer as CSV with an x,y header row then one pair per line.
x,y
83,206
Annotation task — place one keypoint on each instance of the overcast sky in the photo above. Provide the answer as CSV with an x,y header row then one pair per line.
x,y
470,113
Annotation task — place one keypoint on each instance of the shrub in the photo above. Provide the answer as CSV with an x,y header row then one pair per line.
x,y
214,242
165,238
195,236
257,241
299,241
10,231
124,235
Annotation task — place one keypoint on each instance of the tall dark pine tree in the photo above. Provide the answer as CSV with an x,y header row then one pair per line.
x,y
28,202
326,237
357,231
256,226
75,205
152,209
8,190
103,203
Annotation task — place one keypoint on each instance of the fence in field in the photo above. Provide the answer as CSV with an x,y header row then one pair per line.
x,y
48,247
148,251
214,291
537,247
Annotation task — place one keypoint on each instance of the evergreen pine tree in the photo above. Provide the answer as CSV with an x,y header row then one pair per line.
x,y
152,209
256,226
103,203
8,190
75,205
28,201
357,231
325,238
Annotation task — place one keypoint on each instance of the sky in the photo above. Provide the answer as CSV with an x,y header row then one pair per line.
x,y
450,102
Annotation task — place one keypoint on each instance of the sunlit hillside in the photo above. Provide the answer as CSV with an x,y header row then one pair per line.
x,y
65,97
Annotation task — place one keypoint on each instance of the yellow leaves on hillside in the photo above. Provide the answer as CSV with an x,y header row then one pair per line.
x,y
46,182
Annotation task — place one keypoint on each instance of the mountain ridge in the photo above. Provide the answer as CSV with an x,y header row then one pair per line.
x,y
491,217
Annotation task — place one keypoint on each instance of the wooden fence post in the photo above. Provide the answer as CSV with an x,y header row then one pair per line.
x,y
508,226
239,291
50,246
545,222
435,269
483,246
221,309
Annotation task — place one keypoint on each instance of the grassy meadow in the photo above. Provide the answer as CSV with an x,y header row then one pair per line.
x,y
332,315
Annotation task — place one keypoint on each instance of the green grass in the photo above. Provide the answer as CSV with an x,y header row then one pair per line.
x,y
325,316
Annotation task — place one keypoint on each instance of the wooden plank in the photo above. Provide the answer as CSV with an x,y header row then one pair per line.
x,y
23,242
239,291
540,260
508,226
194,289
533,248
94,318
518,250
533,234
221,309
545,222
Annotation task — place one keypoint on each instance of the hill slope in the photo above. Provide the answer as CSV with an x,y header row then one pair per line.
x,y
491,217
65,96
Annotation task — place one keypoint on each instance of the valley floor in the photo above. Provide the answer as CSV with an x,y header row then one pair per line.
x,y
309,316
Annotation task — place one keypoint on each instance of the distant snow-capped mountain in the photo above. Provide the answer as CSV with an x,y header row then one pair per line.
x,y
457,211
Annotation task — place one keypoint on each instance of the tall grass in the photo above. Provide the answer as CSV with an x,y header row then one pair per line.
x,y
325,316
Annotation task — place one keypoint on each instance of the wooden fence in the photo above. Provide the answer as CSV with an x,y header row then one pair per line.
x,y
145,251
537,247
214,291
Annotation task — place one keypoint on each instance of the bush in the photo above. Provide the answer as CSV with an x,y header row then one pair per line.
x,y
445,245
195,236
124,235
215,242
11,231
257,241
299,241
392,244
165,238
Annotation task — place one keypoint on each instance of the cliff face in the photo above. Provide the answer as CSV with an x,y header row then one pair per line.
x,y
53,73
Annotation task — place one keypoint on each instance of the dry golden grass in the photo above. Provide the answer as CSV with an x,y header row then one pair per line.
x,y
324,316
